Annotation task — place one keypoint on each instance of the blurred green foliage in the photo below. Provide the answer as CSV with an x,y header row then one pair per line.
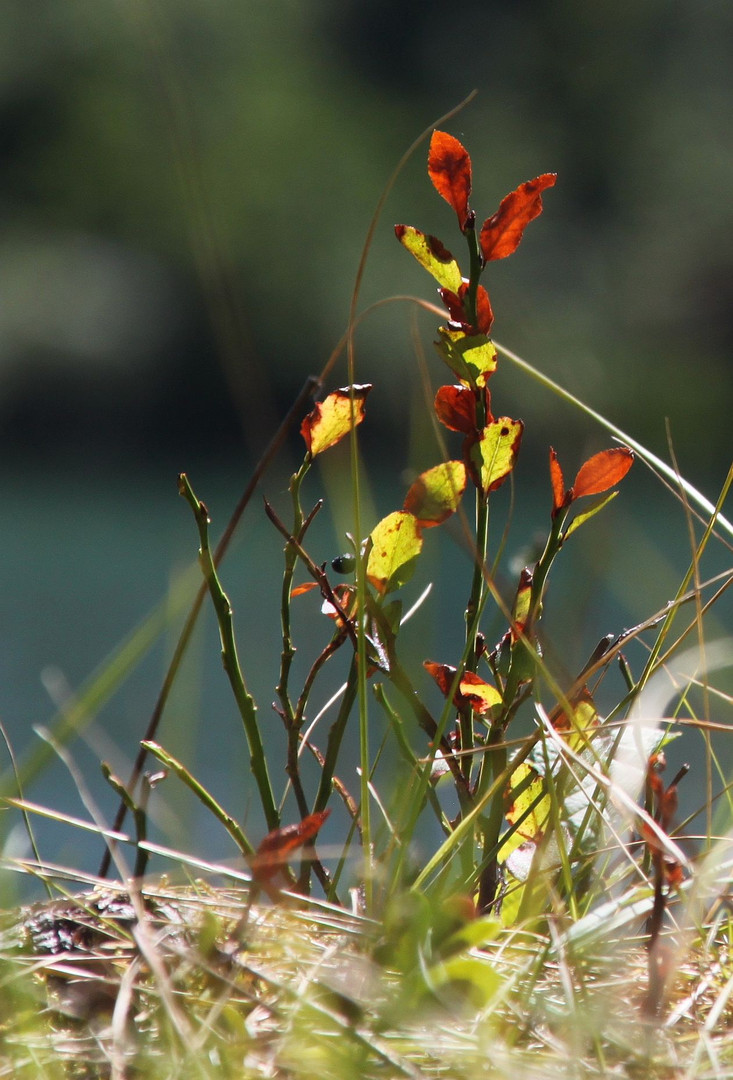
x,y
186,187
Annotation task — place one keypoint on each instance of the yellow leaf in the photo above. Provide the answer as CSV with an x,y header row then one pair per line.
x,y
396,544
493,454
527,806
431,255
435,494
334,417
473,359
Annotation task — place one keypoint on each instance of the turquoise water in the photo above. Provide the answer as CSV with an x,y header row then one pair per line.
x,y
85,563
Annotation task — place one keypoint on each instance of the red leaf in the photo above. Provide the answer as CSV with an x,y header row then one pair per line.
x,y
455,407
484,314
272,852
500,234
602,471
449,167
558,483
454,304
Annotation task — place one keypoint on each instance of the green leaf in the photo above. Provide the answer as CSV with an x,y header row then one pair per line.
x,y
472,359
592,508
431,255
474,978
492,456
436,493
396,544
473,934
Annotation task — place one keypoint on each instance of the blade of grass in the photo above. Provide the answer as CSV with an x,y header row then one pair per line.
x,y
232,827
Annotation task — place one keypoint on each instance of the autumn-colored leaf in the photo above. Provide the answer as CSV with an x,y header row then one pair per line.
x,y
443,674
478,693
396,544
602,471
472,358
582,717
334,417
455,407
558,484
484,314
491,456
272,853
449,168
501,233
576,723
431,255
436,493
525,795
521,606
454,303
472,692
306,587
345,596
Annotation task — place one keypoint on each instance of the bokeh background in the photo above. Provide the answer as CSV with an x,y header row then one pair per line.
x,y
185,189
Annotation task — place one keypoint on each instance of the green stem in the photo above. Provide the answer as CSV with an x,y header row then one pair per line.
x,y
230,659
290,559
335,737
474,609
524,653
476,265
435,732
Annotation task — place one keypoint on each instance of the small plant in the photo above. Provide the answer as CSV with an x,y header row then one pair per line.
x,y
553,832
499,800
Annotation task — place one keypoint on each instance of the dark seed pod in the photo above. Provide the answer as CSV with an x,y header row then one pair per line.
x,y
344,564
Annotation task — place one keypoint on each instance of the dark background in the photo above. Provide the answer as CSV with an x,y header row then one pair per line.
x,y
185,188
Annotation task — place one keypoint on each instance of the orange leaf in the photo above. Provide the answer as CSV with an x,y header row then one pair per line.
x,y
334,417
602,471
449,167
272,853
558,483
473,692
500,234
346,597
442,673
299,590
436,493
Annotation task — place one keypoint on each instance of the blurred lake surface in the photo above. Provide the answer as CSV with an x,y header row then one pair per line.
x,y
85,562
